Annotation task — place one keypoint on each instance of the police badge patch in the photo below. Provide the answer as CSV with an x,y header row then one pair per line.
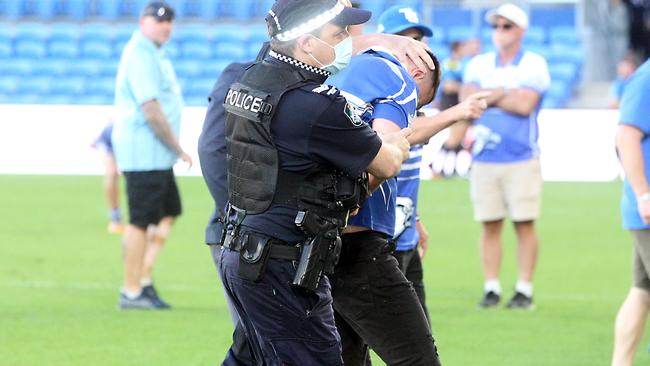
x,y
352,115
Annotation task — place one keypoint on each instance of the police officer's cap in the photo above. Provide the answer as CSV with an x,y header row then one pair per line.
x,y
290,19
159,10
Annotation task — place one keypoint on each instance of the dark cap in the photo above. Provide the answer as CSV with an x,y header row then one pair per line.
x,y
290,19
159,10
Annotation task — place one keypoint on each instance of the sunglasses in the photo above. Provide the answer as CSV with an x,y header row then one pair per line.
x,y
506,26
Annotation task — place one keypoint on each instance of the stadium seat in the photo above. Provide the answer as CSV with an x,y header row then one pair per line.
x,y
211,70
172,49
71,86
31,32
97,50
196,50
108,68
188,68
239,9
207,10
192,34
567,53
98,32
100,86
552,16
8,84
6,51
230,33
42,9
107,9
86,67
63,49
566,72
199,87
459,33
564,36
28,98
10,9
230,51
118,47
542,50
78,9
6,32
67,32
30,49
123,32
451,17
15,67
34,85
51,67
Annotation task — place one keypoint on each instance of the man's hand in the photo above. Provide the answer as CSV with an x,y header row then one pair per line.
x,y
423,244
187,159
473,107
399,139
644,211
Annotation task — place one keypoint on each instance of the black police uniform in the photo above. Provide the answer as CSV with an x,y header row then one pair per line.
x,y
312,134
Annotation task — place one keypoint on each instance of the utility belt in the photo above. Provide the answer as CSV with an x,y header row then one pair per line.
x,y
255,250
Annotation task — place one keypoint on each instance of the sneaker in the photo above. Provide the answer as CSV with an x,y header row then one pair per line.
x,y
115,228
521,301
141,302
150,292
490,299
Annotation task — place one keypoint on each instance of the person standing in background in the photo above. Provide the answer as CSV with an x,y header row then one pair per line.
x,y
148,104
111,179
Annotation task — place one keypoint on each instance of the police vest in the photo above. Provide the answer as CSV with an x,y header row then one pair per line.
x,y
255,180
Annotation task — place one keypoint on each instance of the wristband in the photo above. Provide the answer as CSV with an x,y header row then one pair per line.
x,y
644,197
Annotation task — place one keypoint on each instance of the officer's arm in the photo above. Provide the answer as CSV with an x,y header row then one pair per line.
x,y
394,150
154,115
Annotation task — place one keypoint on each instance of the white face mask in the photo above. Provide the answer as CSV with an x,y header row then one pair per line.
x,y
342,55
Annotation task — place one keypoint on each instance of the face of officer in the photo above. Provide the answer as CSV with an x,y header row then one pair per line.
x,y
158,31
506,34
319,47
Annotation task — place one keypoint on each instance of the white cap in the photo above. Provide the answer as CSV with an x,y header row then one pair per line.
x,y
511,12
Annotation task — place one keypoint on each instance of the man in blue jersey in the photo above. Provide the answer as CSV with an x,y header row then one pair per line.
x,y
633,147
506,177
367,285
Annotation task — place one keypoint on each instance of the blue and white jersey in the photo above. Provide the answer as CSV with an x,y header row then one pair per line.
x,y
635,111
503,137
408,184
378,86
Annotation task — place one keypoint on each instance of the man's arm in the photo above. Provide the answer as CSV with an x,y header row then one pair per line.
x,y
470,109
628,143
154,115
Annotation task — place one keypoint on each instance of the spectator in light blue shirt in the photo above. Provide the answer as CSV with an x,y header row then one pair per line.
x,y
625,69
148,107
633,147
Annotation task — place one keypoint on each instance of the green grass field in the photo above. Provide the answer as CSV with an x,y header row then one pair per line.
x,y
60,274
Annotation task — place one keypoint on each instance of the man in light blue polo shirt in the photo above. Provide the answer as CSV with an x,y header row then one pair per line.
x,y
633,147
148,105
506,176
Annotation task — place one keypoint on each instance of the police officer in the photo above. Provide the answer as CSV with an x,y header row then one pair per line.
x,y
297,154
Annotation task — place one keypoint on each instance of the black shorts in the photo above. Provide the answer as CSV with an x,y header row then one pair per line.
x,y
152,195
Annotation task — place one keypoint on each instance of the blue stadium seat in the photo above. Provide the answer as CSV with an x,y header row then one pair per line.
x,y
30,49
451,17
196,50
230,51
71,86
207,10
108,68
459,33
552,16
86,68
107,9
192,34
567,72
27,98
68,32
212,70
6,50
11,9
199,87
97,50
31,32
51,67
188,68
535,35
123,32
8,84
98,32
100,86
34,85
239,9
567,53
15,67
172,49
564,35
42,9
230,33
63,49
6,32
118,48
78,9
542,50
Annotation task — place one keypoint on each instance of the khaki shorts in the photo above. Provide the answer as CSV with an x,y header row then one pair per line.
x,y
641,261
501,190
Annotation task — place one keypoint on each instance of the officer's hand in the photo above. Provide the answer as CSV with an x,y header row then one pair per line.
x,y
399,139
410,52
473,107
186,159
644,211
423,243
